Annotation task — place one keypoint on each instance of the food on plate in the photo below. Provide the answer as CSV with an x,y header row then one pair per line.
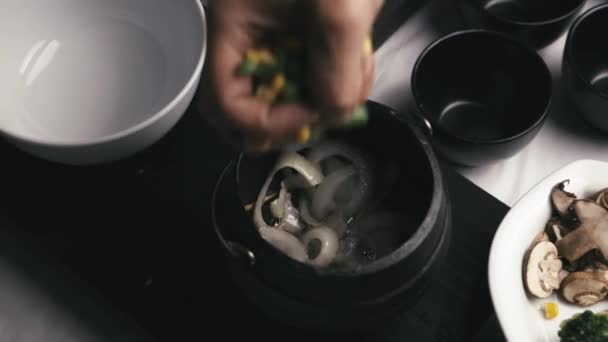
x,y
591,233
585,327
570,254
542,269
551,310
319,207
602,198
586,287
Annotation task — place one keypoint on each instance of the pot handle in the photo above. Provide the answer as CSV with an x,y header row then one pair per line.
x,y
228,201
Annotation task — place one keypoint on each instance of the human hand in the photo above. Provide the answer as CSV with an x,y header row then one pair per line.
x,y
340,72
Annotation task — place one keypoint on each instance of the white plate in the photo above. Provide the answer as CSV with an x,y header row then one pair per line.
x,y
521,316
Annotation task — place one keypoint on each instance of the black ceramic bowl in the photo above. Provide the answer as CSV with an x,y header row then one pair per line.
x,y
534,22
585,66
342,299
485,94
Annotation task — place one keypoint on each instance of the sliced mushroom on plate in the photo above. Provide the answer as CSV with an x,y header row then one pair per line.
x,y
542,267
590,259
555,229
585,288
591,234
602,198
561,200
562,275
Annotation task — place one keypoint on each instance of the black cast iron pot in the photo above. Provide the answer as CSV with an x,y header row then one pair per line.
x,y
333,299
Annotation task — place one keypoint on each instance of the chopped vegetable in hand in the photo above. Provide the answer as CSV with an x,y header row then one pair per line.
x,y
277,78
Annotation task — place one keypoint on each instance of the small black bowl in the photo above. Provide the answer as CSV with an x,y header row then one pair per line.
x,y
585,66
535,22
485,95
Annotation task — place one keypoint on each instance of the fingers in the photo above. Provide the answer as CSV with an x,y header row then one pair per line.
x,y
251,118
341,70
368,78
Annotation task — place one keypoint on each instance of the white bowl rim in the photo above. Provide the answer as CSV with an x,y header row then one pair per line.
x,y
140,126
492,260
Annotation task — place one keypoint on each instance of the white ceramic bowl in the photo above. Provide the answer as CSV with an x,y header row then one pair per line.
x,y
521,316
91,81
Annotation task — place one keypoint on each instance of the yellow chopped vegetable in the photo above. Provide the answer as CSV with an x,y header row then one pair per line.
x,y
551,310
266,94
266,56
367,46
258,56
278,82
304,135
253,56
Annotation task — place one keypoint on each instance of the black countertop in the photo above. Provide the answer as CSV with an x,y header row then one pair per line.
x,y
137,233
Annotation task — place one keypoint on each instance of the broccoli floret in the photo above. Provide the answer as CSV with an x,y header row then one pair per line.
x,y
585,327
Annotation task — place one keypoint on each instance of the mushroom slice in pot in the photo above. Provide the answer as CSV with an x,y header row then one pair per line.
x,y
592,232
561,199
542,268
585,288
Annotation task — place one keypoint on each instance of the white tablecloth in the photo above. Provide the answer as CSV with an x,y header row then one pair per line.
x,y
564,137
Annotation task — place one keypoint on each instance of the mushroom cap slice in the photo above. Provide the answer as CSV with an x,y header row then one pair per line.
x,y
555,230
585,288
592,233
602,198
561,199
542,268
587,210
591,260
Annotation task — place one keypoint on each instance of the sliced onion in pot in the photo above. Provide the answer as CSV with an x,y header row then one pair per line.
x,y
323,198
291,220
329,152
335,221
310,173
305,214
277,207
285,242
321,245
